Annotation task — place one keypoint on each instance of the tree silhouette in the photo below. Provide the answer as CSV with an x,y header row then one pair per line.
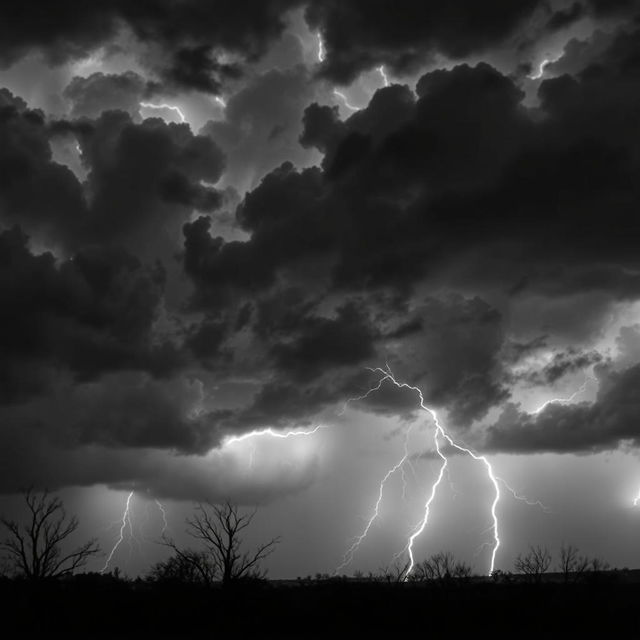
x,y
534,563
219,528
572,564
441,567
186,566
395,572
34,548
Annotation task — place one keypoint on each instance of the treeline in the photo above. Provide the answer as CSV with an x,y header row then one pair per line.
x,y
35,549
44,592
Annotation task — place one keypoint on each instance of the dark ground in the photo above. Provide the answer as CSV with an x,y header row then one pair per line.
x,y
94,606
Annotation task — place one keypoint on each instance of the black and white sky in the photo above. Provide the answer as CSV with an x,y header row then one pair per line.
x,y
216,217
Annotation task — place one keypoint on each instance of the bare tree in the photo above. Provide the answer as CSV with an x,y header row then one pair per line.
x,y
597,565
441,567
395,572
220,528
35,548
572,564
534,564
185,566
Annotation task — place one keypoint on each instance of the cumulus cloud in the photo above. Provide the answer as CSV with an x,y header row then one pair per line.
x,y
446,228
610,421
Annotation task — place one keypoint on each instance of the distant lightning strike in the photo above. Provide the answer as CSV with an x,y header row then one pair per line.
x,y
321,51
571,398
348,556
542,66
164,517
127,523
636,500
321,57
521,498
383,74
345,100
151,105
272,433
126,520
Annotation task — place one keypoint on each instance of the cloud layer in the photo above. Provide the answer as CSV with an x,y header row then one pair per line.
x,y
165,286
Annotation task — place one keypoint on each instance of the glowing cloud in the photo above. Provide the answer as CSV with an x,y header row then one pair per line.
x,y
385,78
543,65
271,433
345,100
151,105
321,51
568,400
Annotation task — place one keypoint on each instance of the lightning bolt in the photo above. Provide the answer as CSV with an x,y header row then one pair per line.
x,y
581,389
439,434
348,556
126,520
345,100
151,105
272,433
321,57
164,516
521,498
383,74
321,51
221,102
544,64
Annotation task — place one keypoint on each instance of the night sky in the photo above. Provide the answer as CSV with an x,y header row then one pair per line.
x,y
224,217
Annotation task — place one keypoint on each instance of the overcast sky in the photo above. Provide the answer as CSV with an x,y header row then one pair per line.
x,y
221,217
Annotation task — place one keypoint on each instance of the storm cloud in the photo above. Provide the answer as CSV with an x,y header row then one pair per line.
x,y
165,286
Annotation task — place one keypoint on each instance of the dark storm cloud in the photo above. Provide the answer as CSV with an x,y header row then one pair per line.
x,y
93,311
613,7
514,351
34,190
465,168
186,32
206,339
285,224
564,18
433,219
454,357
362,34
137,169
262,124
140,176
195,68
278,404
100,92
129,410
460,187
563,363
453,352
365,211
610,421
321,344
89,315
7,99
